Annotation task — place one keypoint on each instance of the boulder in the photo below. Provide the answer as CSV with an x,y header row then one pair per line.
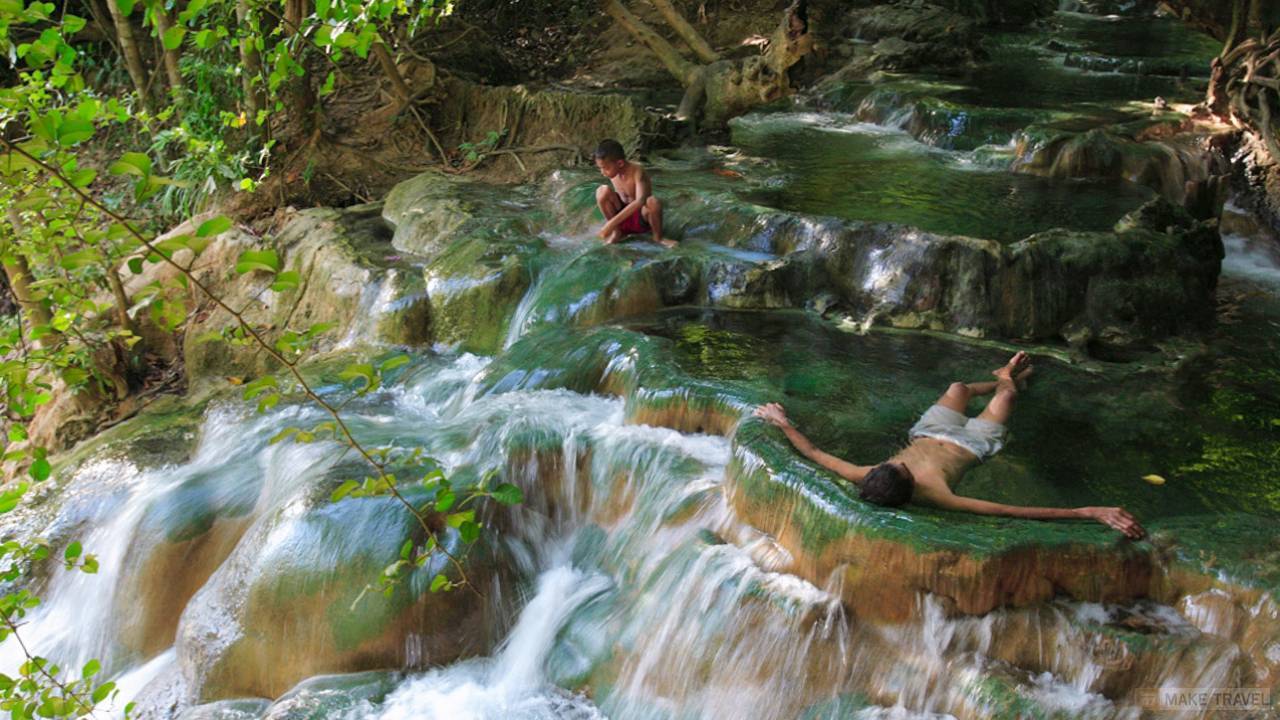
x,y
352,282
290,602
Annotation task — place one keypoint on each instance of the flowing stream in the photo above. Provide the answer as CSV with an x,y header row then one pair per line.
x,y
626,586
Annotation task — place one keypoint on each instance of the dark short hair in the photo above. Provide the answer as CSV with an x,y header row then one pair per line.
x,y
610,150
887,485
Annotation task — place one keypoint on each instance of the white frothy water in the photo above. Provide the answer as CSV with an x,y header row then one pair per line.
x,y
638,564
1252,259
511,685
81,615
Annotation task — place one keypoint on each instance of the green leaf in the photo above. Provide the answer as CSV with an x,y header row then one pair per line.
x,y
470,531
173,37
91,668
445,500
358,371
287,280
72,24
39,470
259,386
251,260
406,549
80,259
74,130
203,38
135,265
83,178
214,226
282,435
456,519
132,163
193,9
439,583
343,490
74,376
508,494
393,362
90,565
72,553
9,498
103,690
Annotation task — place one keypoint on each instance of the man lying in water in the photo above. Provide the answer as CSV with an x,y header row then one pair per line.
x,y
944,444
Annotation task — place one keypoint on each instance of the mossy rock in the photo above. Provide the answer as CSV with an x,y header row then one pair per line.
x,y
285,605
475,286
352,282
427,209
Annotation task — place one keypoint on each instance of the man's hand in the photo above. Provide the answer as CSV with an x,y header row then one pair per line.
x,y
1115,517
773,414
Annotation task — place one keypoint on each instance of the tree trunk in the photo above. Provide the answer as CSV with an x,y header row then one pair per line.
x,y
131,52
302,95
251,66
171,57
121,298
103,19
726,88
1254,24
388,63
686,32
34,313
682,69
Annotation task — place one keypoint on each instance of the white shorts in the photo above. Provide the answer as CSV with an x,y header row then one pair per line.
x,y
980,437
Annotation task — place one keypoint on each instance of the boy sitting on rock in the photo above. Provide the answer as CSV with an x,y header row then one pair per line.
x,y
944,444
629,207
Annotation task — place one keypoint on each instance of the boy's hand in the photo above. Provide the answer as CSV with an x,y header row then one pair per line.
x,y
773,414
1116,518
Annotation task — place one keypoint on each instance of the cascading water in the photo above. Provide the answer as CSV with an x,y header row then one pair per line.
x,y
627,585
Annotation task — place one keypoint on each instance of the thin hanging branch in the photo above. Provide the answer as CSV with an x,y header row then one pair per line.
x,y
290,365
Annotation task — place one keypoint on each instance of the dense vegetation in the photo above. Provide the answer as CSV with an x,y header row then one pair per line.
x,y
118,119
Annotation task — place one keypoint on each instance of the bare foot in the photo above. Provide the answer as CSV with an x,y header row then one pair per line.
x,y
1021,378
613,238
1017,364
667,243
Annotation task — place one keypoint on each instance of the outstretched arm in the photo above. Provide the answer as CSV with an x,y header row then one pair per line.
x,y
1113,517
643,192
775,415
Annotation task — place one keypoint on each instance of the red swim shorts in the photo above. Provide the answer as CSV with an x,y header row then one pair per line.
x,y
635,225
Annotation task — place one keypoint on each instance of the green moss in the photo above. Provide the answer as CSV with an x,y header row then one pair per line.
x,y
475,285
1001,700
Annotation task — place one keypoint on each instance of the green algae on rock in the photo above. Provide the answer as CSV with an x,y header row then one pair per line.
x,y
282,607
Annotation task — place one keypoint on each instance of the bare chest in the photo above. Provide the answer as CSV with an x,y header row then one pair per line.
x,y
625,186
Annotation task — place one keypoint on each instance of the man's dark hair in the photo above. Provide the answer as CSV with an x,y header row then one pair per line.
x,y
887,485
610,150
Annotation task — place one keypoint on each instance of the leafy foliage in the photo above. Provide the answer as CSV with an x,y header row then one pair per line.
x,y
78,227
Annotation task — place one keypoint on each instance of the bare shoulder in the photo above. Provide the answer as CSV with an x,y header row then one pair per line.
x,y
931,489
